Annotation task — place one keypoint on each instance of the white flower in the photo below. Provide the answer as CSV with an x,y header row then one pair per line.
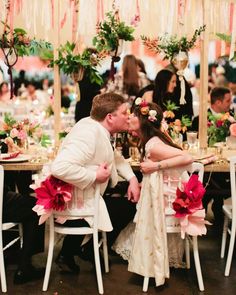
x,y
152,115
138,100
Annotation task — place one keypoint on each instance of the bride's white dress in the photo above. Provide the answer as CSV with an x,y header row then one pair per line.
x,y
144,243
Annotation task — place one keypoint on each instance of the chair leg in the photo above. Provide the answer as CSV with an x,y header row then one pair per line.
x,y
224,236
197,264
231,249
105,251
187,252
145,284
2,268
50,253
97,262
21,234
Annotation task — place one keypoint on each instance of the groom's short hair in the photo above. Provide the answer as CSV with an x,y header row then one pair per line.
x,y
104,104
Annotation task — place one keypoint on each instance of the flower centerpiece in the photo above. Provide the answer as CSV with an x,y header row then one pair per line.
x,y
72,63
218,127
15,133
188,207
175,127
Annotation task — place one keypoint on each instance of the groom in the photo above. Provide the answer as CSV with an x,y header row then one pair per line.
x,y
86,157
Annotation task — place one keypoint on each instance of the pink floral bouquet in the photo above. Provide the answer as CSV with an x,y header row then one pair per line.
x,y
188,207
17,132
52,194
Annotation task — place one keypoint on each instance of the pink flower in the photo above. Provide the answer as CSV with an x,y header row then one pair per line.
x,y
53,194
22,134
14,133
190,199
232,129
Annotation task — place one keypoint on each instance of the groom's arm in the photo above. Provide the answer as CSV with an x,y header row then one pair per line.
x,y
124,169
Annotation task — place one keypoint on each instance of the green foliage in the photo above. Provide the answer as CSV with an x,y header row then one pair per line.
x,y
227,39
110,31
45,140
169,45
171,106
69,62
21,43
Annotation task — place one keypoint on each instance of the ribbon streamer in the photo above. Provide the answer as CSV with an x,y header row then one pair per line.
x,y
182,87
233,36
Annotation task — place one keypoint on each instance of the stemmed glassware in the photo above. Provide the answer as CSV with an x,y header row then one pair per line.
x,y
192,139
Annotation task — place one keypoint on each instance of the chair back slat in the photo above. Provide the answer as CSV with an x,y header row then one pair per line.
x,y
1,192
233,186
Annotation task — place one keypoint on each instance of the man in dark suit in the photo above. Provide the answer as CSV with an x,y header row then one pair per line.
x,y
218,188
18,208
220,103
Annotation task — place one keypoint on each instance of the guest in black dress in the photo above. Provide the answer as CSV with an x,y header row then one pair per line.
x,y
88,91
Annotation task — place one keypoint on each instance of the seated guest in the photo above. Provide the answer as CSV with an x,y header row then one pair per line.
x,y
220,99
219,185
18,208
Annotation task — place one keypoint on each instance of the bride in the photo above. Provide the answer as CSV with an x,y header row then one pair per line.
x,y
145,243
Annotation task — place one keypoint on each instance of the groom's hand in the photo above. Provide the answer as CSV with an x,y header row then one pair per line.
x,y
103,173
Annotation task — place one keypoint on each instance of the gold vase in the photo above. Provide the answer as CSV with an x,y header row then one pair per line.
x,y
180,60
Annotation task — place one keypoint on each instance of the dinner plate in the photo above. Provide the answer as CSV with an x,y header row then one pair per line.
x,y
19,158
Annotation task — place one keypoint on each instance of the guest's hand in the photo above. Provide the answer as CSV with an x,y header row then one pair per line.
x,y
133,190
148,167
103,173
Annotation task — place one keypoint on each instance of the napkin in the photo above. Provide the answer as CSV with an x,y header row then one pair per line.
x,y
10,156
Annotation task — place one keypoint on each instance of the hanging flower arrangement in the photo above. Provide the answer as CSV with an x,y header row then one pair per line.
x,y
170,45
72,63
111,31
18,43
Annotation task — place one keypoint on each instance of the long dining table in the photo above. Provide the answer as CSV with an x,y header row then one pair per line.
x,y
221,164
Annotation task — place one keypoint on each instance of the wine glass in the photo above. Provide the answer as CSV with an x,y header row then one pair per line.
x,y
192,139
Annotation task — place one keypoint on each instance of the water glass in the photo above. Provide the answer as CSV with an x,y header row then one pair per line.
x,y
192,139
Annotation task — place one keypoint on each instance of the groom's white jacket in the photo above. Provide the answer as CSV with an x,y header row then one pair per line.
x,y
83,150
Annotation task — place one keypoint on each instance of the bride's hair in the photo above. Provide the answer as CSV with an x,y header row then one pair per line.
x,y
151,126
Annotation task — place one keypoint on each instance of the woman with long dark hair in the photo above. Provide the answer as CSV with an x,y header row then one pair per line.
x,y
162,89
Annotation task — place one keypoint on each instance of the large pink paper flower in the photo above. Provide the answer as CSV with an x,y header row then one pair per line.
x,y
189,200
53,194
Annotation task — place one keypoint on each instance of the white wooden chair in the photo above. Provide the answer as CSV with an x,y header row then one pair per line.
x,y
53,227
174,227
5,226
229,219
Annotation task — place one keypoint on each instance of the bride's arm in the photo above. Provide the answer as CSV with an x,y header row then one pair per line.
x,y
163,156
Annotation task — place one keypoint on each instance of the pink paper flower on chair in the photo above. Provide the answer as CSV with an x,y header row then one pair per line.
x,y
189,209
189,200
53,194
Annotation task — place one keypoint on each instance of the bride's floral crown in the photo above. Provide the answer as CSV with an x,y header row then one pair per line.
x,y
145,110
